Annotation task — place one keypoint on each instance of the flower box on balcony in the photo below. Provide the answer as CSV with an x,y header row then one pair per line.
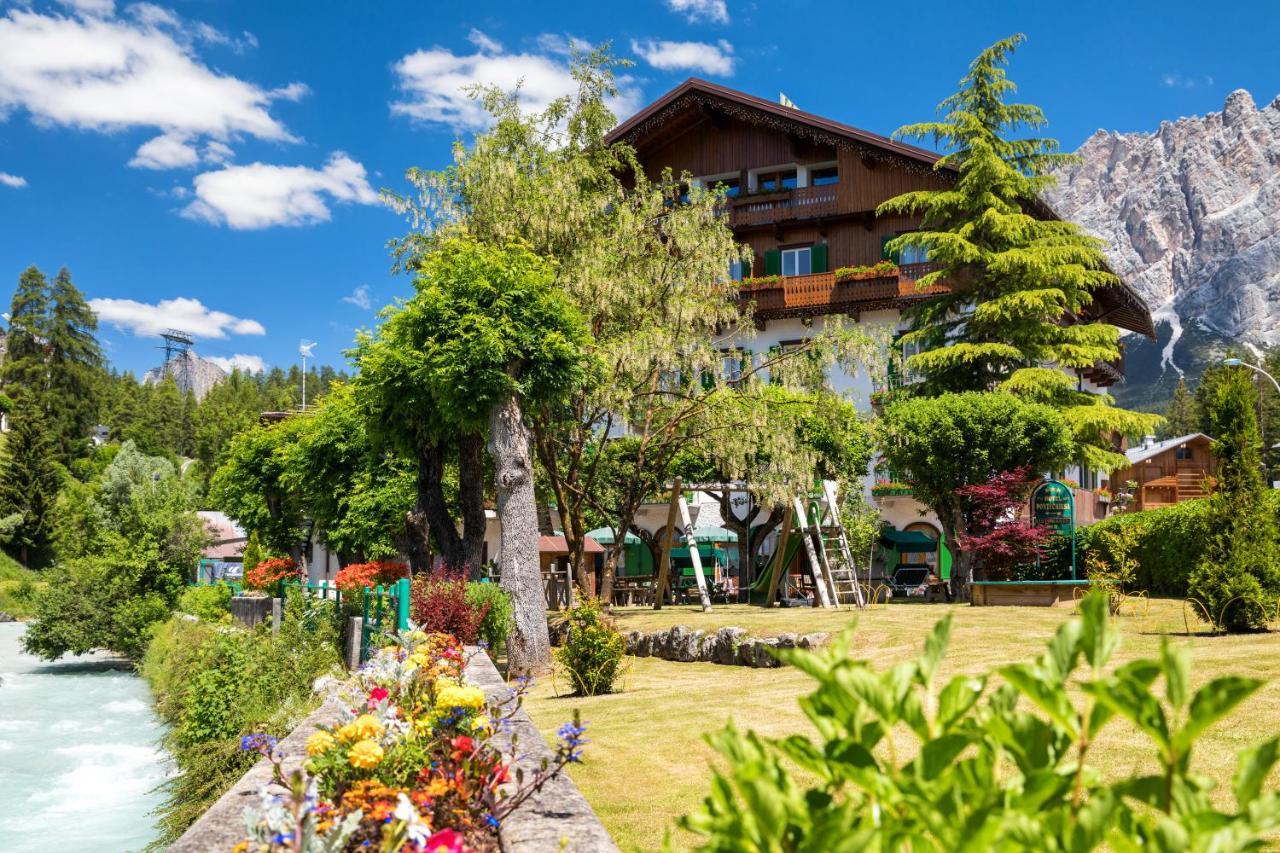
x,y
891,490
884,269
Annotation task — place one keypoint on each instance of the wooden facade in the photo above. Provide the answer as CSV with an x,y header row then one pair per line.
x,y
1170,471
713,134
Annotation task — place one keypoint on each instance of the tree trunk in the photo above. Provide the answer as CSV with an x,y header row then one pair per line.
x,y
961,560
471,498
529,647
431,506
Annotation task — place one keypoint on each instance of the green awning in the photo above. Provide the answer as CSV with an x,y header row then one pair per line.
x,y
907,541
604,536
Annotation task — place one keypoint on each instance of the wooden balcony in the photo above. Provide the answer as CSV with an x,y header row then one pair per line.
x,y
811,295
1107,373
800,203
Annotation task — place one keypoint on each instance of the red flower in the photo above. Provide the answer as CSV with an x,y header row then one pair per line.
x,y
377,694
462,745
444,841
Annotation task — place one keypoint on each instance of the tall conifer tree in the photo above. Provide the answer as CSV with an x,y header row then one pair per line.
x,y
24,363
1182,417
1015,273
75,365
29,478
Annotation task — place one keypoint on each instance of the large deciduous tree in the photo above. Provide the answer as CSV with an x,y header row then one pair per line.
x,y
1020,281
494,337
955,441
645,263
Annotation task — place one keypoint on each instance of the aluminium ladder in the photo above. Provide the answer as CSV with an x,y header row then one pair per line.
x,y
838,565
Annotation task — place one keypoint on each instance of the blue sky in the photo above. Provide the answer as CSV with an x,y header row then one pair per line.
x,y
215,165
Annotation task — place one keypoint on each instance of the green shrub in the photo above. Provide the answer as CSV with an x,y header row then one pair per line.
x,y
1166,545
1001,760
499,619
1233,598
211,602
593,650
215,682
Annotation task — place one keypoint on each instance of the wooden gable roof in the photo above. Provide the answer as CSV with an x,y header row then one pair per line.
x,y
695,100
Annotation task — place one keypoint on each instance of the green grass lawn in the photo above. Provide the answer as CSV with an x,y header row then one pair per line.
x,y
647,762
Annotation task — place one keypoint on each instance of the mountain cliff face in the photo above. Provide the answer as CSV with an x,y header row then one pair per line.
x,y
190,372
1191,217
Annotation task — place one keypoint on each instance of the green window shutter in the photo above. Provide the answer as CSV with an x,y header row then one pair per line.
x,y
774,352
772,262
885,254
819,257
708,379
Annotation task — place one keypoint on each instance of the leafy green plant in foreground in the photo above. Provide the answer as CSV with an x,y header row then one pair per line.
x,y
900,764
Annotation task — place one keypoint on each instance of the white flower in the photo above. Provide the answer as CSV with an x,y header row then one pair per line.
x,y
415,826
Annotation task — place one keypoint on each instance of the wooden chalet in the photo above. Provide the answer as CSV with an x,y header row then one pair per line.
x,y
1170,471
803,192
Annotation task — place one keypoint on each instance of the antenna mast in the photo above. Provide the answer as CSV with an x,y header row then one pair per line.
x,y
304,349
177,343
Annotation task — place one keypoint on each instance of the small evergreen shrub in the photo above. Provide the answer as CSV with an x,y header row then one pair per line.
x,y
499,618
212,602
438,603
593,649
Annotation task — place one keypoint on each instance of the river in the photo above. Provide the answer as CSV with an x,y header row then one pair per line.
x,y
80,753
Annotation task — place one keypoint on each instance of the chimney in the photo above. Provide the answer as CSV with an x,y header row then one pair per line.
x,y
1148,441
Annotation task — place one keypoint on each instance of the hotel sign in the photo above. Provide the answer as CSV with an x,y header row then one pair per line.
x,y
1053,506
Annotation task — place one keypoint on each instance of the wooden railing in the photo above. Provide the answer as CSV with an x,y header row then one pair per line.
x,y
800,203
822,293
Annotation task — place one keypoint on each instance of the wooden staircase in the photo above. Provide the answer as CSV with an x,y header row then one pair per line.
x,y
1191,485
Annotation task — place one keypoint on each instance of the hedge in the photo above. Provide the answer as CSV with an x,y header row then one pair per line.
x,y
1170,543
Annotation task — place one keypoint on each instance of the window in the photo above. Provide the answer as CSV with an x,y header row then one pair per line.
x,y
737,270
732,186
732,364
797,261
913,255
1184,454
775,181
824,177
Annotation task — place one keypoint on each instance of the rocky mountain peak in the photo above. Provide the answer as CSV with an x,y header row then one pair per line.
x,y
1191,217
190,372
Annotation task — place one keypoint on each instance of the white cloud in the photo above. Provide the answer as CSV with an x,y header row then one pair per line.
x,y
190,315
240,361
15,181
167,151
293,92
108,73
360,297
435,82
261,195
701,10
687,56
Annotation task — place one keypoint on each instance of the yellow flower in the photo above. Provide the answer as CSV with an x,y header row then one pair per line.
x,y
365,755
320,743
419,636
480,724
458,696
367,726
347,733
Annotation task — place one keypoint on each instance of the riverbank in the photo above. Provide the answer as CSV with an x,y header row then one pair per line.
x,y
80,754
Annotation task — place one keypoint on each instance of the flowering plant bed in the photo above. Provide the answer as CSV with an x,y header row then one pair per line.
x,y
760,281
408,766
883,269
887,488
267,574
359,576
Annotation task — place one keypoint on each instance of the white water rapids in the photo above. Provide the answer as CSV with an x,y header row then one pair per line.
x,y
80,753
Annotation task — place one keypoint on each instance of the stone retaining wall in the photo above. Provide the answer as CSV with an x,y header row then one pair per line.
x,y
556,818
727,646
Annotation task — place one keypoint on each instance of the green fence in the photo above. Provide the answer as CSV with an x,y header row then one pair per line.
x,y
384,609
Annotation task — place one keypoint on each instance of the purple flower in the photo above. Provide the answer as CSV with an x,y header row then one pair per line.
x,y
258,742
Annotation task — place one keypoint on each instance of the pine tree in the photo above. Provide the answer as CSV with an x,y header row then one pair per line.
x,y
24,363
1238,576
1182,417
29,479
1013,274
75,365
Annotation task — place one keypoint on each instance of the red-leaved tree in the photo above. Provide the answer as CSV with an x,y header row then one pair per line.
x,y
438,603
1000,540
